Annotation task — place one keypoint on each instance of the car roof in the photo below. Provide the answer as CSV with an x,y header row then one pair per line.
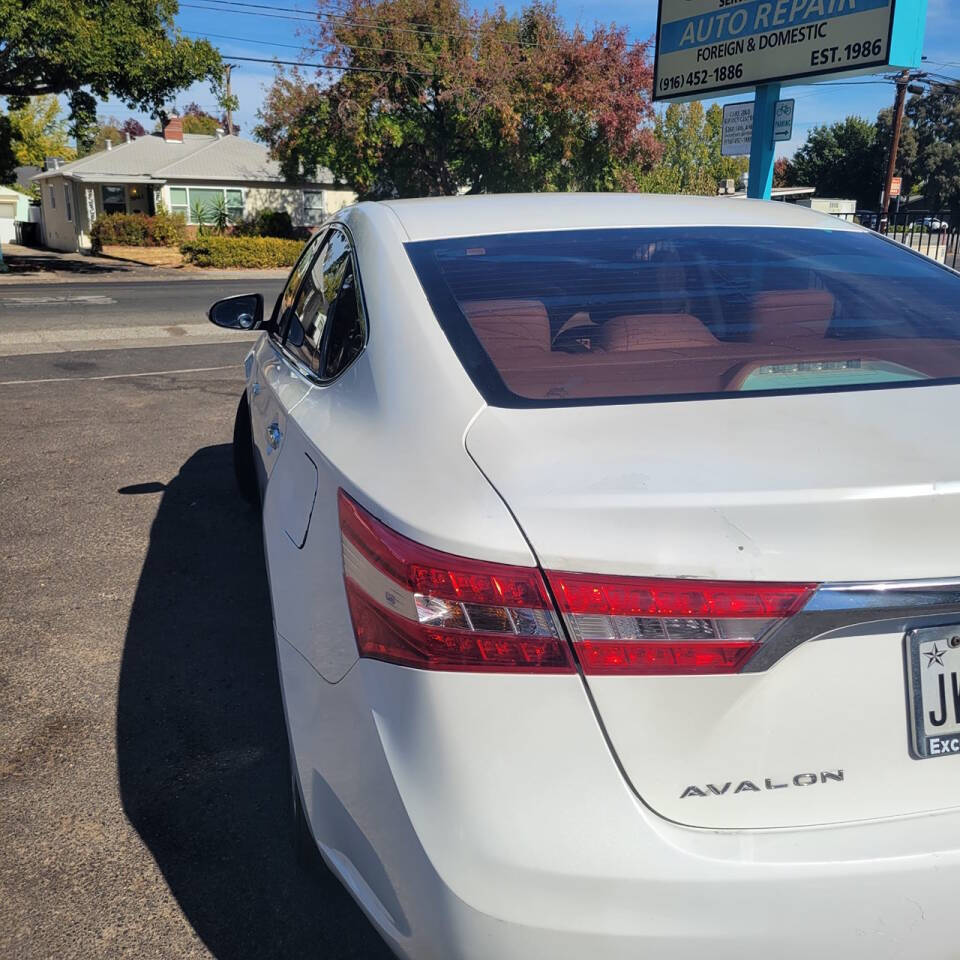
x,y
434,218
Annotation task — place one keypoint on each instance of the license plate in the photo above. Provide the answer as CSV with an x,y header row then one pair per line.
x,y
933,691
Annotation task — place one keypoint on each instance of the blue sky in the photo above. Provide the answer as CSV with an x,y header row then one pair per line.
x,y
260,34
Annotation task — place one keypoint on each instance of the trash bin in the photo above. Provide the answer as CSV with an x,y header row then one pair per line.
x,y
28,234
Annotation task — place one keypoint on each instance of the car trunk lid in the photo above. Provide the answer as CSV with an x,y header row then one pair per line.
x,y
847,488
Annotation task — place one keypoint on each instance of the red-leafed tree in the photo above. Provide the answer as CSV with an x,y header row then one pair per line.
x,y
782,172
423,97
132,127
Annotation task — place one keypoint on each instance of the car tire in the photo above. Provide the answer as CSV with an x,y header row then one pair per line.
x,y
244,468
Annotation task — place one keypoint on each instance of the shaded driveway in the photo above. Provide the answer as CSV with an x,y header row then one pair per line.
x,y
143,760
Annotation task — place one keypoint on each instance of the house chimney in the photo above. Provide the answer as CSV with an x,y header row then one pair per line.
x,y
109,143
173,130
51,163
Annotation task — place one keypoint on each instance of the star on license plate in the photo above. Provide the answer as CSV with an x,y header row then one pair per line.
x,y
933,691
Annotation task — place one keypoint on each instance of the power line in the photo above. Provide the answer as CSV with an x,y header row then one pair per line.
x,y
269,43
229,5
295,46
326,66
342,15
942,79
418,29
851,83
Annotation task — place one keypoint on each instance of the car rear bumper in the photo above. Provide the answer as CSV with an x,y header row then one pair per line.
x,y
492,824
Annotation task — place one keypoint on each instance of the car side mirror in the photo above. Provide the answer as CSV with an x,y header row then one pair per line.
x,y
244,312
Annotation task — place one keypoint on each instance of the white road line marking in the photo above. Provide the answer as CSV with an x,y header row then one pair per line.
x,y
98,299
98,334
120,376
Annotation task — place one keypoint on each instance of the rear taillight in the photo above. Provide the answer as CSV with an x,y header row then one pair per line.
x,y
420,607
629,625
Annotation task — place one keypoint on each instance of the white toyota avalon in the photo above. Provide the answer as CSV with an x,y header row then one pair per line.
x,y
614,553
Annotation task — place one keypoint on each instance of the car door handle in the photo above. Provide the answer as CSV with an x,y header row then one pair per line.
x,y
274,436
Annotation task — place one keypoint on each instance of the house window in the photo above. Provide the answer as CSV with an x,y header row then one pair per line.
x,y
67,203
313,206
178,201
205,200
234,204
114,199
53,198
203,204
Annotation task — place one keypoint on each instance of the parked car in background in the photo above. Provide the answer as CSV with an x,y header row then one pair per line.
x,y
612,552
935,223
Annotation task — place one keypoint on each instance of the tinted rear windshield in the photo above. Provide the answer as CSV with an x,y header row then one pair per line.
x,y
542,319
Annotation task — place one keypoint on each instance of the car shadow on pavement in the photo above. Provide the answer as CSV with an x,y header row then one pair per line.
x,y
201,747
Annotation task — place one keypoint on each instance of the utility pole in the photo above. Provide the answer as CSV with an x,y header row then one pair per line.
x,y
902,81
227,68
903,85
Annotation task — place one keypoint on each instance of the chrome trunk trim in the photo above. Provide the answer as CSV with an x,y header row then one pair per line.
x,y
890,606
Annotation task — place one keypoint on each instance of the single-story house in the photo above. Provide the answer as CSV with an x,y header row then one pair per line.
x,y
180,171
14,206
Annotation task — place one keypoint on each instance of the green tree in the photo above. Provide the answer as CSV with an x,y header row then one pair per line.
x,y
690,161
197,120
38,131
8,157
108,129
935,118
841,160
434,99
86,49
114,130
685,160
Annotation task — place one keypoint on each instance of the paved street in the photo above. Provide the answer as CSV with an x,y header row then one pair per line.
x,y
143,760
39,318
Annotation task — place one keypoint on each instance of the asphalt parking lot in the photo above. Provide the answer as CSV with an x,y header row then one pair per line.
x,y
143,758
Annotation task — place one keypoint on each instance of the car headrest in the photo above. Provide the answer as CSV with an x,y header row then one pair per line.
x,y
654,331
777,316
506,326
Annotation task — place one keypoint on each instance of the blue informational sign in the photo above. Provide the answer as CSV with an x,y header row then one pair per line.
x,y
709,47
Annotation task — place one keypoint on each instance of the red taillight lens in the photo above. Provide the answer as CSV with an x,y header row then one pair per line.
x,y
630,625
420,607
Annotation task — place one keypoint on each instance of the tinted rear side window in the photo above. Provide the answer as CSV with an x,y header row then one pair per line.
x,y
542,319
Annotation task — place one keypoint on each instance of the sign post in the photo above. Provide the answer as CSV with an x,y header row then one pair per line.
x,y
761,147
717,47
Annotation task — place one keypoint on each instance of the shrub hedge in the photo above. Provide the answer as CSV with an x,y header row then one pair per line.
x,y
138,230
232,251
267,223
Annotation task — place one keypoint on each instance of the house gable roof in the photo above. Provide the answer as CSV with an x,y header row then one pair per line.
x,y
221,159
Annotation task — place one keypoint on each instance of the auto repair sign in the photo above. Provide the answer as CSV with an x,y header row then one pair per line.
x,y
704,46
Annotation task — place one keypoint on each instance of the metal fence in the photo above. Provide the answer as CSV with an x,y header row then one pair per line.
x,y
931,234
